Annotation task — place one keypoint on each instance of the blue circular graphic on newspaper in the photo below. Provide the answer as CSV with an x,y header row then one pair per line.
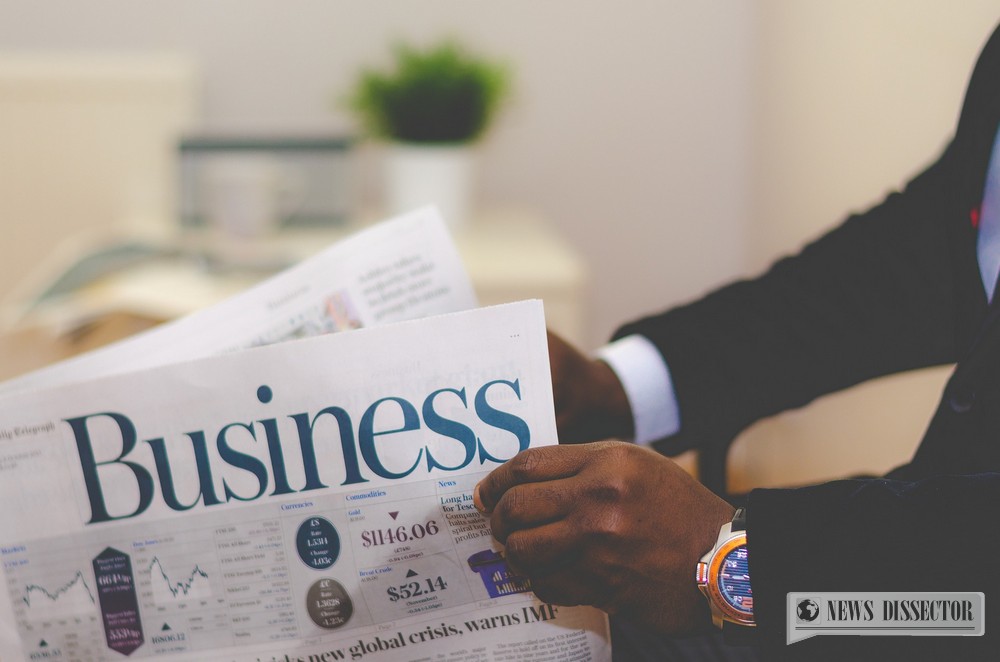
x,y
318,543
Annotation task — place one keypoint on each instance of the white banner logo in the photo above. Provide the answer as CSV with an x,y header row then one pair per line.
x,y
885,614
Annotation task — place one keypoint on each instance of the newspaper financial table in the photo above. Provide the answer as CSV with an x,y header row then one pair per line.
x,y
300,569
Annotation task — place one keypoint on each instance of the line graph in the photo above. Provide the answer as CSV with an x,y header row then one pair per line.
x,y
195,586
73,598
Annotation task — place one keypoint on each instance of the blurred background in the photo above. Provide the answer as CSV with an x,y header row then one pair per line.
x,y
656,148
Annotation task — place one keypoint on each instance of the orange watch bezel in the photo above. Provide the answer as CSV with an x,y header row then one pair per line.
x,y
729,612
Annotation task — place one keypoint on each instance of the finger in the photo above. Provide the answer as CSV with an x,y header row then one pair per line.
x,y
540,550
529,466
565,587
530,505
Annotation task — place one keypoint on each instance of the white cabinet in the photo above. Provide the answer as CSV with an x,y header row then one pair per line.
x,y
514,256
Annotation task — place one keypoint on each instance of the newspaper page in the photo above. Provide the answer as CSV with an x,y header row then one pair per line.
x,y
304,501
401,269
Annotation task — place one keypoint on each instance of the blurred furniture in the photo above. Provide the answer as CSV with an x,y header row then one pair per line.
x,y
509,255
865,430
315,173
840,435
88,146
513,255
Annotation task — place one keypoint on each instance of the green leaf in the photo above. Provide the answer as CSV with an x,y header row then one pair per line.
x,y
438,95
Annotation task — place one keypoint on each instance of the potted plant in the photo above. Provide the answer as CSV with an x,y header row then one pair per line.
x,y
432,106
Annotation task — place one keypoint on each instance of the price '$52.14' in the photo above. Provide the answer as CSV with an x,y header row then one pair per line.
x,y
417,588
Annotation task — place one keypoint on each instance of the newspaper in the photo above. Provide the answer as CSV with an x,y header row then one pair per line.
x,y
308,500
401,269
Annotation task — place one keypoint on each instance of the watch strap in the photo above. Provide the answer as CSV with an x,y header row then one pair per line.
x,y
735,634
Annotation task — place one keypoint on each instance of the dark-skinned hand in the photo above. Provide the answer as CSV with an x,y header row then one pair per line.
x,y
589,400
607,524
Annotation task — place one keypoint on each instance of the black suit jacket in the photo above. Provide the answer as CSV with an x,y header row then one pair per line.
x,y
893,289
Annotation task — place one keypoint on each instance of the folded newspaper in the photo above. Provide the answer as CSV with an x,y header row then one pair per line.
x,y
311,500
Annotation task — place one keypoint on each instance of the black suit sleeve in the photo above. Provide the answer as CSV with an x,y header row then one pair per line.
x,y
893,289
875,296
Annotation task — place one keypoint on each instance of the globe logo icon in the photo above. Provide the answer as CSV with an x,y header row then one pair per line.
x,y
807,610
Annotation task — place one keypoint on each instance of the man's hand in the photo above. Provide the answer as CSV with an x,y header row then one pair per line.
x,y
589,400
607,524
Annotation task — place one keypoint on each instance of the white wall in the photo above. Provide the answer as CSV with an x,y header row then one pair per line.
x,y
628,126
852,99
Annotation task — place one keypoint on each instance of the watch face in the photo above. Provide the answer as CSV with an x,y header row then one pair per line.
x,y
733,580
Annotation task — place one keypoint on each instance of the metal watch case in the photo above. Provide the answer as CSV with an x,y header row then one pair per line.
x,y
707,574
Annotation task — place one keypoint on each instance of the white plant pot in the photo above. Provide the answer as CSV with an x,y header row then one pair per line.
x,y
418,175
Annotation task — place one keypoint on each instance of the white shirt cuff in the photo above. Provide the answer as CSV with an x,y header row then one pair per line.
x,y
648,386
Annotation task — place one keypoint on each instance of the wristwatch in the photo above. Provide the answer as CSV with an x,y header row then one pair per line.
x,y
723,575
